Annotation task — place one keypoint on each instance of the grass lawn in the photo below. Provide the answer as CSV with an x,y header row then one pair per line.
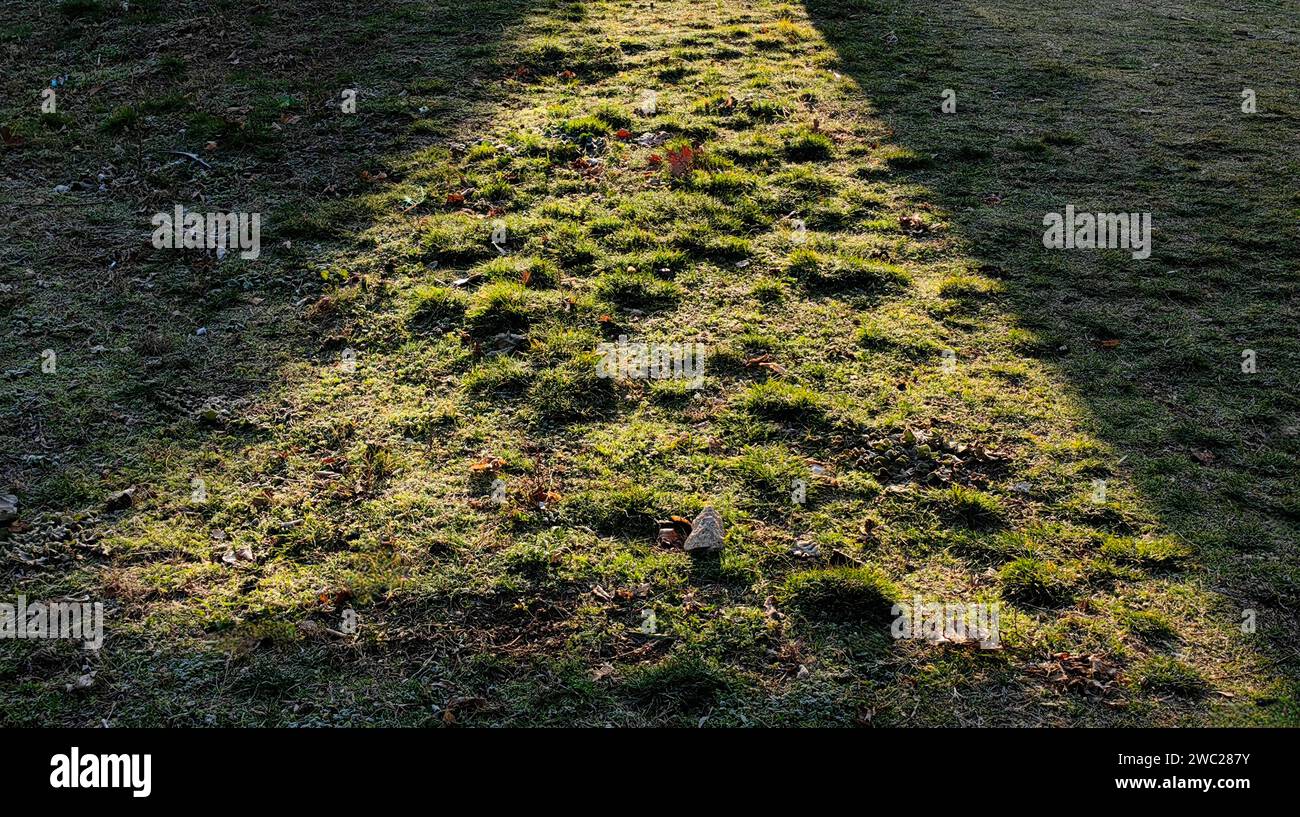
x,y
392,417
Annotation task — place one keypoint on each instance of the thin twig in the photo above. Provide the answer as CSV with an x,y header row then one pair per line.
x,y
191,156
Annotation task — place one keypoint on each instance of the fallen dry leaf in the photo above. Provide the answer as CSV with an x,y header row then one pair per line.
x,y
913,223
1092,674
673,532
681,161
488,464
542,496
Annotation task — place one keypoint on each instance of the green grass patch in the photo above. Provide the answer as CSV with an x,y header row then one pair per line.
x,y
806,145
786,402
1163,674
840,595
1036,582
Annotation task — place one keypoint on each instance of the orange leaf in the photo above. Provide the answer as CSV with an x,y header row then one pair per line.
x,y
488,464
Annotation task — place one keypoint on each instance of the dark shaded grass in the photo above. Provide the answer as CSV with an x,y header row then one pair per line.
x,y
1140,113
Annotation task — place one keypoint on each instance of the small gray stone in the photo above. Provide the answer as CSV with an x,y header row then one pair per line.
x,y
706,532
121,500
8,508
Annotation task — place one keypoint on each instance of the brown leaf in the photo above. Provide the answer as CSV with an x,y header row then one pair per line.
x,y
334,598
541,496
1092,674
765,362
488,464
913,223
673,531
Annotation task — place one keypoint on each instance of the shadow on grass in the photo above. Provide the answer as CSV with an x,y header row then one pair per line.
x,y
1138,112
137,410
160,358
